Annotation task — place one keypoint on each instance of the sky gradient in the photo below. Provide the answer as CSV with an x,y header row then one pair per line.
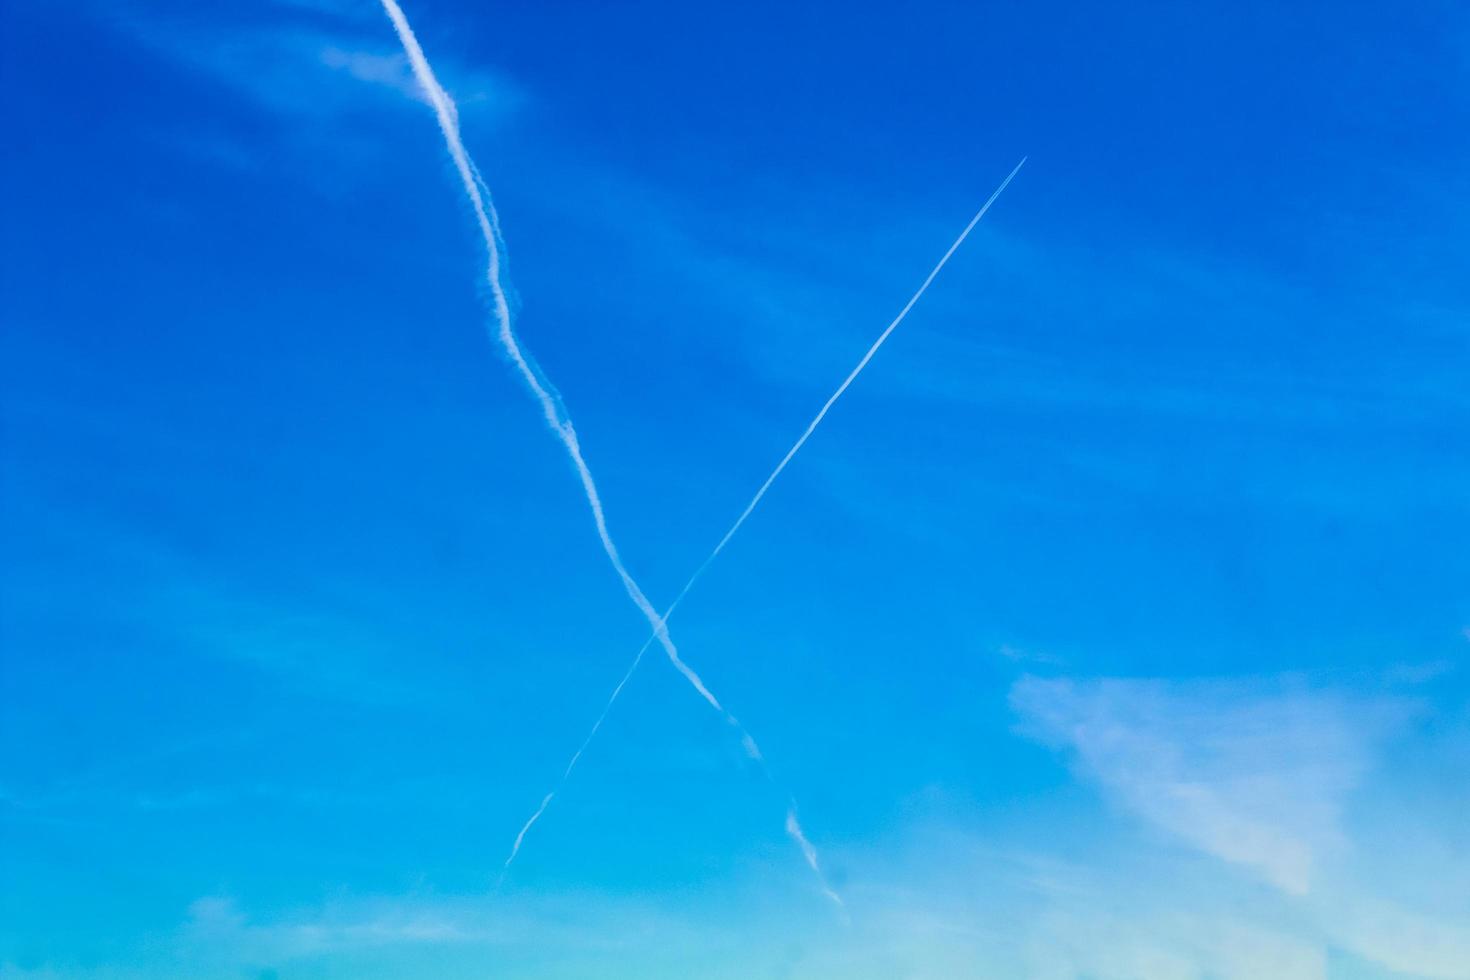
x,y
1113,625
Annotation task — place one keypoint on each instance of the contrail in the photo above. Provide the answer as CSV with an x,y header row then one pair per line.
x,y
555,413
792,827
809,852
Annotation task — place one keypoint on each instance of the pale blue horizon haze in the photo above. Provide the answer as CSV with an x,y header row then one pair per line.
x,y
1114,624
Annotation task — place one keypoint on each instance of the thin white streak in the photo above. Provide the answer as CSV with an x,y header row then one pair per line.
x,y
790,453
576,757
534,817
852,376
793,827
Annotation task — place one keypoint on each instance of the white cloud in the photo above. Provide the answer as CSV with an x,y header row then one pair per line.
x,y
220,924
309,73
321,71
1260,775
389,69
1255,779
958,906
1068,926
1403,940
1099,942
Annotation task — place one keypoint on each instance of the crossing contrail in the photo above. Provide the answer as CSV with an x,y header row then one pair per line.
x,y
792,827
551,407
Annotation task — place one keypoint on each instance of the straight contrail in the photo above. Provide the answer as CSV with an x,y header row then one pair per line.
x,y
555,413
792,827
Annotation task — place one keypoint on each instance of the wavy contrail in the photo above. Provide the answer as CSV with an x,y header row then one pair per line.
x,y
792,827
551,407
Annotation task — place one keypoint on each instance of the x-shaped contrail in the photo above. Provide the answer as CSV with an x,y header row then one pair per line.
x,y
560,423
715,553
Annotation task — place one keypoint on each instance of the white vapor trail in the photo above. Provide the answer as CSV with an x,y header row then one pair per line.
x,y
810,853
792,827
551,407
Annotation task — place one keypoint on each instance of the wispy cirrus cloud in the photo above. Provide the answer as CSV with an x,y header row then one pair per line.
x,y
1051,929
1261,774
312,71
933,899
962,911
1254,778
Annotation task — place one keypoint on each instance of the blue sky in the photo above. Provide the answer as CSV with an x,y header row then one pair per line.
x,y
1113,625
